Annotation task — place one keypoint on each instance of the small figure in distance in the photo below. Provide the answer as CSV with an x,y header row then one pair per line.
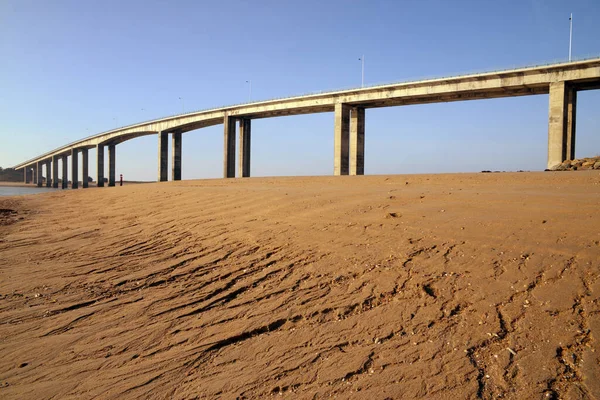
x,y
121,180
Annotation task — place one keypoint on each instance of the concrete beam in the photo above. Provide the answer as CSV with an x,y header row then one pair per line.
x,y
85,168
163,153
245,139
561,123
100,165
340,139
55,172
229,147
39,173
176,157
357,141
112,163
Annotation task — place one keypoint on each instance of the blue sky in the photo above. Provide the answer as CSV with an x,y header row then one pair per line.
x,y
71,69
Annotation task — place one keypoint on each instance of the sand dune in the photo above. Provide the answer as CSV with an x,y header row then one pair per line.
x,y
416,287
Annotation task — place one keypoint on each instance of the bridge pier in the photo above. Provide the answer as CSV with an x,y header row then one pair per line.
x,y
38,174
65,172
229,147
561,123
176,157
357,141
85,168
245,140
55,172
74,169
341,139
26,173
163,153
100,165
112,163
48,173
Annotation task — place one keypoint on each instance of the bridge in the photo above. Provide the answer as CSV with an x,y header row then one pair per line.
x,y
561,81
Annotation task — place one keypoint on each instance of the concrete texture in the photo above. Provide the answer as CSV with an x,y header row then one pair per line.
x,y
571,118
100,165
341,139
74,169
245,134
176,157
112,164
85,168
229,147
55,172
163,153
561,123
357,141
578,75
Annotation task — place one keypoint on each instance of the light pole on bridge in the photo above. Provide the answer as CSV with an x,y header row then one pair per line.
x,y
362,61
249,90
182,105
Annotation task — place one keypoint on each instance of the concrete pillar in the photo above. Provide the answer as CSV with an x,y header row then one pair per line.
x,y
340,139
357,141
55,172
176,157
74,168
163,153
34,174
38,174
561,123
229,147
26,173
100,165
245,139
65,172
48,173
85,168
571,118
112,163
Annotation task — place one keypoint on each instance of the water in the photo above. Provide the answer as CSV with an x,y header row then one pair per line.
x,y
20,190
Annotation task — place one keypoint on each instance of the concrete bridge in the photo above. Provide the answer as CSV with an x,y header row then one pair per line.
x,y
561,81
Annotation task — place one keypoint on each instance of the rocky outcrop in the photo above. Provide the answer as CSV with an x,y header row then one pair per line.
x,y
578,164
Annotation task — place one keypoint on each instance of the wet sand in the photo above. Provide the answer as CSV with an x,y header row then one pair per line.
x,y
415,286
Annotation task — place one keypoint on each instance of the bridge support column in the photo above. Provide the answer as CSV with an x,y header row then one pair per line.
x,y
163,153
26,173
176,157
561,123
112,163
340,139
85,168
34,174
357,141
100,165
65,172
229,147
245,139
48,173
38,174
55,172
74,168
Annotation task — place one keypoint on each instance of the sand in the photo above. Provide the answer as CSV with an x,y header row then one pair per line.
x,y
377,287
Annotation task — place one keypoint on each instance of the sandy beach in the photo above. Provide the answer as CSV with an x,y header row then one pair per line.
x,y
375,287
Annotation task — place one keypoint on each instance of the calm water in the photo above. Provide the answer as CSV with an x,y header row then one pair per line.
x,y
19,190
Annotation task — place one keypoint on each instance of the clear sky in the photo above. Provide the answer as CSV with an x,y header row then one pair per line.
x,y
72,68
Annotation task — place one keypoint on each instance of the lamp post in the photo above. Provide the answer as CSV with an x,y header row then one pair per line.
x,y
182,105
116,119
362,61
570,34
249,90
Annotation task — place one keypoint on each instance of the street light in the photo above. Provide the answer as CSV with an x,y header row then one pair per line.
x,y
362,60
116,119
570,34
182,105
249,91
